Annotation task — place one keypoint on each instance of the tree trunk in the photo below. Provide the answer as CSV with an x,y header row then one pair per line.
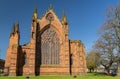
x,y
118,73
107,70
90,70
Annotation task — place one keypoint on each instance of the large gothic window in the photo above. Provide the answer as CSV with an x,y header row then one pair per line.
x,y
50,47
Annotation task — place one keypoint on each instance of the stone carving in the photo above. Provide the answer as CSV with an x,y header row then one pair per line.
x,y
49,17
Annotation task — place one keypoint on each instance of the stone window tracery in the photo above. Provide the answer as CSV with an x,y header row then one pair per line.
x,y
50,47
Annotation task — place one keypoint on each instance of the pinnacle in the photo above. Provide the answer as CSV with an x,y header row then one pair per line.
x,y
17,27
64,19
51,7
13,28
35,14
35,9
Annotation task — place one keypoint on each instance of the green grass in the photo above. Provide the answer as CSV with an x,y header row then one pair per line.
x,y
88,76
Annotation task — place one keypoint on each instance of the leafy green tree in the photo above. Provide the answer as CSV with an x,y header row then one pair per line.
x,y
92,60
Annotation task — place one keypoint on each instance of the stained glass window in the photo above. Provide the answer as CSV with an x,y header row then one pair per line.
x,y
50,47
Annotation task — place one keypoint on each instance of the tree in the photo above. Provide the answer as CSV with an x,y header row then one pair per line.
x,y
92,60
105,45
108,45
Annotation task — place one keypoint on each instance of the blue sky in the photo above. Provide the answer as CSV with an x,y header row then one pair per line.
x,y
84,17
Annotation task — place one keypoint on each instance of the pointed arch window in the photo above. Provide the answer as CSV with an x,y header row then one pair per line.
x,y
50,47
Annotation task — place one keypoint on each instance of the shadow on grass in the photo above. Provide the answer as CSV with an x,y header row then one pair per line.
x,y
97,74
103,74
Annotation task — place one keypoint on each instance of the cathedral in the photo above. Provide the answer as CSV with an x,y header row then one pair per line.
x,y
49,51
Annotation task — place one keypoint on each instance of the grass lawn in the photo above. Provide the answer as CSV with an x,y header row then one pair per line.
x,y
88,76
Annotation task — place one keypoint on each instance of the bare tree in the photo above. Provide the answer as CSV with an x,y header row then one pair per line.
x,y
105,46
109,42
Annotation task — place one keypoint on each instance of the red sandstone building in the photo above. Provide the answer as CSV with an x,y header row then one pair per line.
x,y
49,51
